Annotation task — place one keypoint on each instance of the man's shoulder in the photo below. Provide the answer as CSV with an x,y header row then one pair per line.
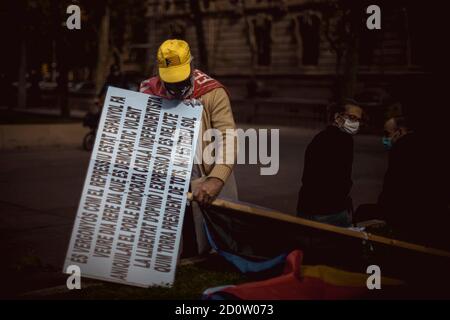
x,y
406,146
214,95
148,83
205,84
326,133
219,91
151,79
318,140
409,140
332,135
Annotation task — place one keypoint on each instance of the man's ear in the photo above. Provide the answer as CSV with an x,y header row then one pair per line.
x,y
338,118
398,134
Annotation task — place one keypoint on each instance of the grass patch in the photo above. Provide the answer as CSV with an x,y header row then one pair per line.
x,y
190,282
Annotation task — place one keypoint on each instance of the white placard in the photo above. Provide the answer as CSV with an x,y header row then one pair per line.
x,y
129,220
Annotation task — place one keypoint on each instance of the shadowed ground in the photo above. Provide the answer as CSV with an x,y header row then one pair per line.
x,y
40,190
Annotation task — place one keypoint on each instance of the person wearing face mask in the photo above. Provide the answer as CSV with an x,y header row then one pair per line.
x,y
401,143
411,201
177,79
326,181
394,129
405,182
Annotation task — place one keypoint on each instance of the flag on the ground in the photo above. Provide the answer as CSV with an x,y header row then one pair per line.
x,y
301,283
254,243
246,264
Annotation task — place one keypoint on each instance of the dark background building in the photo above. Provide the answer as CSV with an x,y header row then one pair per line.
x,y
282,60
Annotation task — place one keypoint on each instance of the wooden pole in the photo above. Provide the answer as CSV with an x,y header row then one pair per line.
x,y
280,216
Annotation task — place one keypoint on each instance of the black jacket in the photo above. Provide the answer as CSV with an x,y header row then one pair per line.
x,y
414,192
327,173
403,180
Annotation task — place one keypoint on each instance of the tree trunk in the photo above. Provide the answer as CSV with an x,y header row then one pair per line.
x,y
63,100
201,43
352,55
61,63
103,50
338,91
351,69
22,84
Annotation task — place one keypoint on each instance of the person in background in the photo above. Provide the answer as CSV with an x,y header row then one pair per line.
x,y
327,172
35,90
405,200
394,129
115,78
412,202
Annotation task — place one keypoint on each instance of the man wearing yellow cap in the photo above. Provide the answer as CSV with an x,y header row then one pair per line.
x,y
177,79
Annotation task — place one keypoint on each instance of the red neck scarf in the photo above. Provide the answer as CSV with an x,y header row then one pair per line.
x,y
202,85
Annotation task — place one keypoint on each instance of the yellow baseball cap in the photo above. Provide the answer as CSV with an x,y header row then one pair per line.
x,y
174,61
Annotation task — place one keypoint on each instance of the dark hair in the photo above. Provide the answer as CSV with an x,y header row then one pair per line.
x,y
401,122
336,107
113,68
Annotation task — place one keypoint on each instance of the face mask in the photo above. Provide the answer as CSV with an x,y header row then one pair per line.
x,y
180,90
387,143
350,127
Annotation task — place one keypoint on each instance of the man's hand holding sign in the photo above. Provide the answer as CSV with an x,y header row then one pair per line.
x,y
206,191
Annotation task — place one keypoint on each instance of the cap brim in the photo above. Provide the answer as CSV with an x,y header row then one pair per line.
x,y
175,74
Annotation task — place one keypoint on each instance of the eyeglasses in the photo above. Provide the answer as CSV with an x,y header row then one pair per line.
x,y
352,117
